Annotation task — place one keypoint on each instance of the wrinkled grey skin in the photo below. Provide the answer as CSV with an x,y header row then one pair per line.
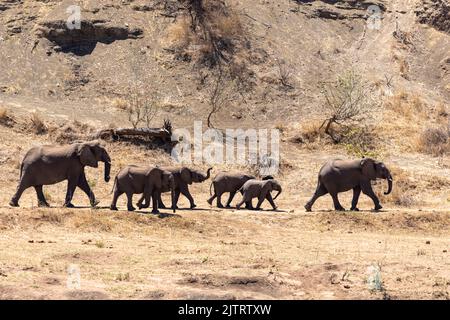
x,y
260,189
46,165
227,182
343,175
183,177
146,180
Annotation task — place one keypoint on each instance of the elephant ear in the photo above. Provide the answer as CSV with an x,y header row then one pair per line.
x,y
87,158
186,175
368,168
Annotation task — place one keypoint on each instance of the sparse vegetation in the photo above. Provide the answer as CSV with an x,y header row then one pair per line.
x,y
435,141
38,125
348,101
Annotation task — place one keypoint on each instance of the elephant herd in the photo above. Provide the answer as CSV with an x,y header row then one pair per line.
x,y
46,165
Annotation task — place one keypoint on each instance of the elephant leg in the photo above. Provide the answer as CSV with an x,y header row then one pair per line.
x,y
20,189
161,204
270,199
130,202
230,198
244,200
187,194
320,191
71,185
41,198
368,191
356,193
84,185
219,200
211,199
249,205
337,204
142,203
155,196
116,196
261,198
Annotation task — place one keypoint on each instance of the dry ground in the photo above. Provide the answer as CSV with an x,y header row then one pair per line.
x,y
211,253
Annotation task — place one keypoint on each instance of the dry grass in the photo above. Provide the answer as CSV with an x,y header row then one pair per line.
x,y
37,125
434,141
404,190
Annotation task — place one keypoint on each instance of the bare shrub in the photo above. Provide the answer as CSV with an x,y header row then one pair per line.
x,y
38,125
360,141
404,190
348,101
435,141
285,72
141,108
220,94
310,133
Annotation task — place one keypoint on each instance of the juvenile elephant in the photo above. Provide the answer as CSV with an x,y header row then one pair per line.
x,y
146,180
183,177
46,165
343,175
227,182
260,189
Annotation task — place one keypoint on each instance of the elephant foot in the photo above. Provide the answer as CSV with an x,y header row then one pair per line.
x,y
220,206
141,206
228,206
193,206
162,206
274,208
354,209
113,208
69,205
209,201
94,203
339,209
14,203
378,207
43,204
155,211
308,208
131,208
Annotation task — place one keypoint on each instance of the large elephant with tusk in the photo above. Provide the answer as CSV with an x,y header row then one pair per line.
x,y
343,175
46,165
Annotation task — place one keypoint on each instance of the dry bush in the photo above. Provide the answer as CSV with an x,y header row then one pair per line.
x,y
434,141
179,35
403,191
349,101
38,125
360,141
310,133
6,118
119,103
70,132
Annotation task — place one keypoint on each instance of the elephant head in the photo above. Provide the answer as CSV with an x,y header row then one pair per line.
x,y
189,176
376,170
271,185
91,153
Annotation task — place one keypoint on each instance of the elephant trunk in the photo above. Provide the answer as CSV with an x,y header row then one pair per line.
x,y
107,171
389,179
107,160
279,192
208,174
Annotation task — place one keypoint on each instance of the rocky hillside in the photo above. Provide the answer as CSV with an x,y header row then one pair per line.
x,y
278,53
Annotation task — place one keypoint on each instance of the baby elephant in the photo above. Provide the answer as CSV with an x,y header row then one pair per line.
x,y
147,180
261,190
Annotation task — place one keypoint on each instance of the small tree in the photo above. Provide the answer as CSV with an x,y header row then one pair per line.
x,y
348,100
141,107
219,96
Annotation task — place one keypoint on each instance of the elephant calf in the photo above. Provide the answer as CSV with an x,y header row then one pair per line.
x,y
227,182
146,180
260,189
46,165
342,175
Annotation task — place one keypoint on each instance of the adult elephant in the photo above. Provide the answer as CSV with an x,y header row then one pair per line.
x,y
146,180
46,165
260,189
227,182
343,175
183,177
